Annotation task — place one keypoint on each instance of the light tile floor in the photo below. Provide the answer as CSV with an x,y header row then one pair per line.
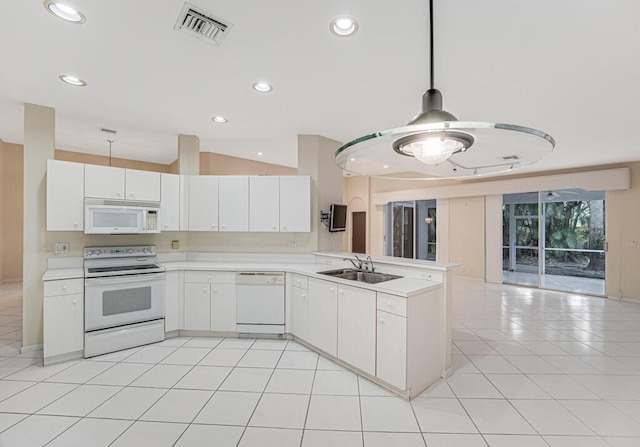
x,y
532,368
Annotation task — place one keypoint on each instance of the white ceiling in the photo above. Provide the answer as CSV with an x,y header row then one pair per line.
x,y
569,68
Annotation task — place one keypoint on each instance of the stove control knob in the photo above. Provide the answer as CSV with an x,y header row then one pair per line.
x,y
130,251
89,252
145,249
97,252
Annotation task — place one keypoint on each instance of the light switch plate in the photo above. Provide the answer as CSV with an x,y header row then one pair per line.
x,y
61,247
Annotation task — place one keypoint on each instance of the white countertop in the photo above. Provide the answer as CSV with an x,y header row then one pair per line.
x,y
405,287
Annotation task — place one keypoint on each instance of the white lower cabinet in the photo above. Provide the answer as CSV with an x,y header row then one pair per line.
x,y
210,301
392,349
357,327
223,307
299,312
63,319
174,307
197,306
323,315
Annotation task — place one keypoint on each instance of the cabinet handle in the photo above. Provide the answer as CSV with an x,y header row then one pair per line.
x,y
332,289
64,287
118,194
166,225
274,227
75,302
204,290
213,225
215,290
75,224
341,292
223,226
303,295
209,277
381,320
284,227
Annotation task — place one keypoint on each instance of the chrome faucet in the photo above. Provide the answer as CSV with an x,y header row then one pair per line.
x,y
370,262
357,266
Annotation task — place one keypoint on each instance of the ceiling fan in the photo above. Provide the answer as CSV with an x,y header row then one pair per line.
x,y
556,194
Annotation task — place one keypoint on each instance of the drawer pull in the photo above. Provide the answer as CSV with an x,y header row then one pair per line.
x,y
381,320
75,302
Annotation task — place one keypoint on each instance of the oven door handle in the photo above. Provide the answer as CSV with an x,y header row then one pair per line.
x,y
124,279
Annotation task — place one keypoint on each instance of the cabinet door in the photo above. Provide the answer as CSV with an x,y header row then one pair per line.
x,y
264,203
323,315
203,203
295,203
169,202
63,324
197,307
357,327
142,185
223,307
300,316
233,203
392,349
103,182
174,316
65,196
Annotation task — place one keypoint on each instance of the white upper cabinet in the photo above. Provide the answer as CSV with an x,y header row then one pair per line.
x,y
295,203
170,202
103,182
264,203
233,203
65,196
106,182
142,185
203,203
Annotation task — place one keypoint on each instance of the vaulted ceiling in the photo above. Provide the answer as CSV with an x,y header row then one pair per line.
x,y
569,68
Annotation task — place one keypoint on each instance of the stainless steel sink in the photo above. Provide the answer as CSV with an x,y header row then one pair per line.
x,y
360,276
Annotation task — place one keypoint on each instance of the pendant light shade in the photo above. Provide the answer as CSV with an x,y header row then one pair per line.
x,y
435,145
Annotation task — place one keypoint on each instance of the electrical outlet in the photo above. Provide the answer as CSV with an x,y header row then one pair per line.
x,y
61,247
292,244
175,245
426,276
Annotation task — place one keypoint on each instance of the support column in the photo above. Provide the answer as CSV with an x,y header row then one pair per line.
x,y
39,146
315,158
188,155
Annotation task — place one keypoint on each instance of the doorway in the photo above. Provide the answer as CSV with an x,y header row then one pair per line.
x,y
410,229
555,240
359,232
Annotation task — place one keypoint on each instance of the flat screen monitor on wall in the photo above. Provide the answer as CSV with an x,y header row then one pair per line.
x,y
338,219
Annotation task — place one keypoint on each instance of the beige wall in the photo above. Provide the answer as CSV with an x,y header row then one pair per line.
x,y
623,236
218,164
11,209
91,159
466,236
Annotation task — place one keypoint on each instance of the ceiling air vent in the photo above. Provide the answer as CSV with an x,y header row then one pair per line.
x,y
201,25
510,158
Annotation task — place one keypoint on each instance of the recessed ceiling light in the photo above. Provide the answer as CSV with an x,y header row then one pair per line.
x,y
352,159
260,153
262,87
343,26
64,12
72,80
386,166
219,119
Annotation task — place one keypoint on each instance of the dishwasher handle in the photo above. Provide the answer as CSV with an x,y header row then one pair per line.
x,y
260,278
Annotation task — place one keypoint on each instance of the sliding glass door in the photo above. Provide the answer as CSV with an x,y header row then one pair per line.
x,y
555,240
411,229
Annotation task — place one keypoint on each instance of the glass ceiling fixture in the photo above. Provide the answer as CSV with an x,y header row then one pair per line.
x,y
444,147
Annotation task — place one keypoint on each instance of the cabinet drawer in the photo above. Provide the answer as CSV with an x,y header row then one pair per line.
x,y
392,304
300,281
210,277
63,287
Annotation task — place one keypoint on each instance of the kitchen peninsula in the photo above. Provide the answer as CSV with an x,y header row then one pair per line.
x,y
396,333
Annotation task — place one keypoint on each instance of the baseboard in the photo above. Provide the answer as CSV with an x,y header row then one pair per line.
x,y
30,348
62,358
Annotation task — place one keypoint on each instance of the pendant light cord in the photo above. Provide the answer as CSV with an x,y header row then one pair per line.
x,y
431,43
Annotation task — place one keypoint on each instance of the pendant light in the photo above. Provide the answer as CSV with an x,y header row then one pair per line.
x,y
435,145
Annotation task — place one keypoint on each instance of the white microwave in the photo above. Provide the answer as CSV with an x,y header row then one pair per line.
x,y
105,216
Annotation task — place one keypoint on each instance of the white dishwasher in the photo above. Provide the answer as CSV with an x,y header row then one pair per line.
x,y
260,303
